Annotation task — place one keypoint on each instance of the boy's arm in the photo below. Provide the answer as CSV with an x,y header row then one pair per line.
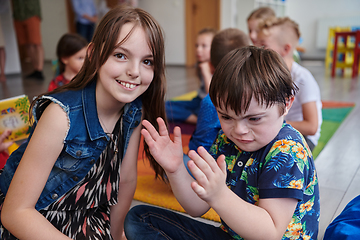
x,y
310,122
127,186
169,154
267,220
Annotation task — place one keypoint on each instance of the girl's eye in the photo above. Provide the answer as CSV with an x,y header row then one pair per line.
x,y
119,55
148,62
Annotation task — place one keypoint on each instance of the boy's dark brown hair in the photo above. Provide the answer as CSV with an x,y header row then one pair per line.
x,y
225,41
251,72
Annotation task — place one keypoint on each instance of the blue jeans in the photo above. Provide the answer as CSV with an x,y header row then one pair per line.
x,y
85,30
148,222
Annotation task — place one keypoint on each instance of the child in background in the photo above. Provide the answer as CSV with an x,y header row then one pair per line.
x,y
187,111
208,124
257,17
263,184
282,35
71,51
69,183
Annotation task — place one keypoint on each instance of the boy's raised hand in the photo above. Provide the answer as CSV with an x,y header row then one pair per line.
x,y
168,153
210,175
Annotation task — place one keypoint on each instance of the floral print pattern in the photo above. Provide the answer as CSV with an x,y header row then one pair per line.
x,y
286,163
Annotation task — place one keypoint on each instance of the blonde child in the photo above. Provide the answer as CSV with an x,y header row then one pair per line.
x,y
77,177
187,111
282,35
70,51
263,184
257,17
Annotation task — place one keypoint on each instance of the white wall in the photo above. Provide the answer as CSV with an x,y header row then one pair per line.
x,y
12,63
53,25
307,14
171,16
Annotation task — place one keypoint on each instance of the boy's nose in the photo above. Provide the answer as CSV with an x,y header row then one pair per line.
x,y
241,128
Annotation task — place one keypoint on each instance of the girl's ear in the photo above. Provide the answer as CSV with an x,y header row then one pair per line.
x,y
288,105
65,60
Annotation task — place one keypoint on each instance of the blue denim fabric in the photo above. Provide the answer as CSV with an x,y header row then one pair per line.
x,y
83,144
148,222
179,111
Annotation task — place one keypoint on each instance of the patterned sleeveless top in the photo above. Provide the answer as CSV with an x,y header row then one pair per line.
x,y
84,211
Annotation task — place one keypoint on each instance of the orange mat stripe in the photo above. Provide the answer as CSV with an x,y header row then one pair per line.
x,y
156,192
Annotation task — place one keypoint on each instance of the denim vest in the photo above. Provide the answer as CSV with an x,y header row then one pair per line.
x,y
83,144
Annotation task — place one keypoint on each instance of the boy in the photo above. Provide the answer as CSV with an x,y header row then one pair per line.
x,y
208,124
282,35
263,184
187,111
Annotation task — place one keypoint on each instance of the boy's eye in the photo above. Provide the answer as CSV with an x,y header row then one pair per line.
x,y
148,62
254,119
119,55
225,117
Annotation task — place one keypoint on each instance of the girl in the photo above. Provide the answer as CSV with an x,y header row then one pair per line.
x,y
187,111
256,18
71,51
77,174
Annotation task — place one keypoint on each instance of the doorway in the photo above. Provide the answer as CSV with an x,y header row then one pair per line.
x,y
199,14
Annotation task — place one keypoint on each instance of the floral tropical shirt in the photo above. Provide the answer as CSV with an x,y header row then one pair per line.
x,y
282,169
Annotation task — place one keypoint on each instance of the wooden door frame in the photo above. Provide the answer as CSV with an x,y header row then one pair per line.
x,y
189,28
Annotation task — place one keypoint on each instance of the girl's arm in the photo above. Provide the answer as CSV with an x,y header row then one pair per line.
x,y
19,215
128,177
169,154
268,220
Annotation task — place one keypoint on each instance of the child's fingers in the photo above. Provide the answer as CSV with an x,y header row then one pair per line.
x,y
221,163
177,136
4,135
162,127
150,129
210,161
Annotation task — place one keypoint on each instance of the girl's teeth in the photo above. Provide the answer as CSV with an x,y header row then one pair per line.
x,y
128,85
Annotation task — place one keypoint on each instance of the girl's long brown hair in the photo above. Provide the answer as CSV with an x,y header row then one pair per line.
x,y
102,46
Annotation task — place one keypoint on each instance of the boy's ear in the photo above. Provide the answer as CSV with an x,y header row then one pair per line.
x,y
288,105
287,49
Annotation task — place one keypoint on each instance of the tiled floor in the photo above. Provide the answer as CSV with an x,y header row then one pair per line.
x,y
337,165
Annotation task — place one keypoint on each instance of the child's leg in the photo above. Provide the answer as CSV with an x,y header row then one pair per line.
x,y
180,111
148,222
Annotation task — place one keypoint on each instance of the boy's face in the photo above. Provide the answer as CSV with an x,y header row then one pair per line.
x,y
253,129
203,46
271,41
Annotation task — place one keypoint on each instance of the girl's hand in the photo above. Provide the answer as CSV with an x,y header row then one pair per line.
x,y
210,175
168,153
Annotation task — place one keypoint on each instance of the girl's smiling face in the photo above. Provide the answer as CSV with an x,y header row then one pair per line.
x,y
255,128
129,71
